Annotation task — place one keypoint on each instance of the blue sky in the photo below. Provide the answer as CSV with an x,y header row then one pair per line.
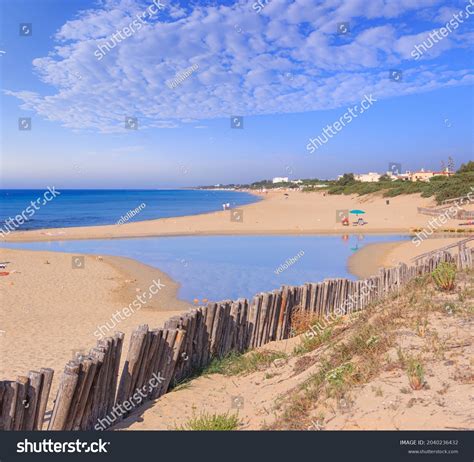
x,y
285,68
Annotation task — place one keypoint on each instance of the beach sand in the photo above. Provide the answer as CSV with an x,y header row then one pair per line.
x,y
290,212
49,310
370,258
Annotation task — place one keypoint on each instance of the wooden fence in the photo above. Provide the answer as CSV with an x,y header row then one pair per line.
x,y
437,211
91,396
23,402
461,245
433,211
87,388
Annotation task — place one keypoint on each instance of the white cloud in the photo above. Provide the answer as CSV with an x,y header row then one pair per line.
x,y
244,58
445,14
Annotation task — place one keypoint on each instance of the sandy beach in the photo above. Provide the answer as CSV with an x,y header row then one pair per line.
x,y
370,258
281,212
50,310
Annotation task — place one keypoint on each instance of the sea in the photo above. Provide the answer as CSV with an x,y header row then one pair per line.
x,y
105,207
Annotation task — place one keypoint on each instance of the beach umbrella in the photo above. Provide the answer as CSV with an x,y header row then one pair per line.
x,y
357,212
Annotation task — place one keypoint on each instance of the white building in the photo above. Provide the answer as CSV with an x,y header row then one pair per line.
x,y
401,176
371,177
280,179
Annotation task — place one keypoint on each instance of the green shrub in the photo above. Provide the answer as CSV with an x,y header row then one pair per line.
x,y
444,276
416,374
441,187
235,363
310,343
337,377
212,422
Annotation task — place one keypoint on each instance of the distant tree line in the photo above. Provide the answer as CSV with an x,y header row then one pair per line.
x,y
441,187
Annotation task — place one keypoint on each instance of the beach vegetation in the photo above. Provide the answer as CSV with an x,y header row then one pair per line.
x,y
339,375
312,341
346,180
301,320
239,364
444,276
212,422
467,167
416,374
441,187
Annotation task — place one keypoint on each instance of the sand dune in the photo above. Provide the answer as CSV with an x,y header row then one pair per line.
x,y
384,402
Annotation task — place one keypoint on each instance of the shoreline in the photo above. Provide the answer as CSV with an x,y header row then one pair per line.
x,y
277,212
49,310
367,261
289,232
114,225
443,234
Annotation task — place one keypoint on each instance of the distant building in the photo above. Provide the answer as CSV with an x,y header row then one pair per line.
x,y
426,175
296,181
401,176
445,172
371,177
280,179
422,175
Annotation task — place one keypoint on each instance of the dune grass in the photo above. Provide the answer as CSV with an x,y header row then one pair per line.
x,y
236,364
212,422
